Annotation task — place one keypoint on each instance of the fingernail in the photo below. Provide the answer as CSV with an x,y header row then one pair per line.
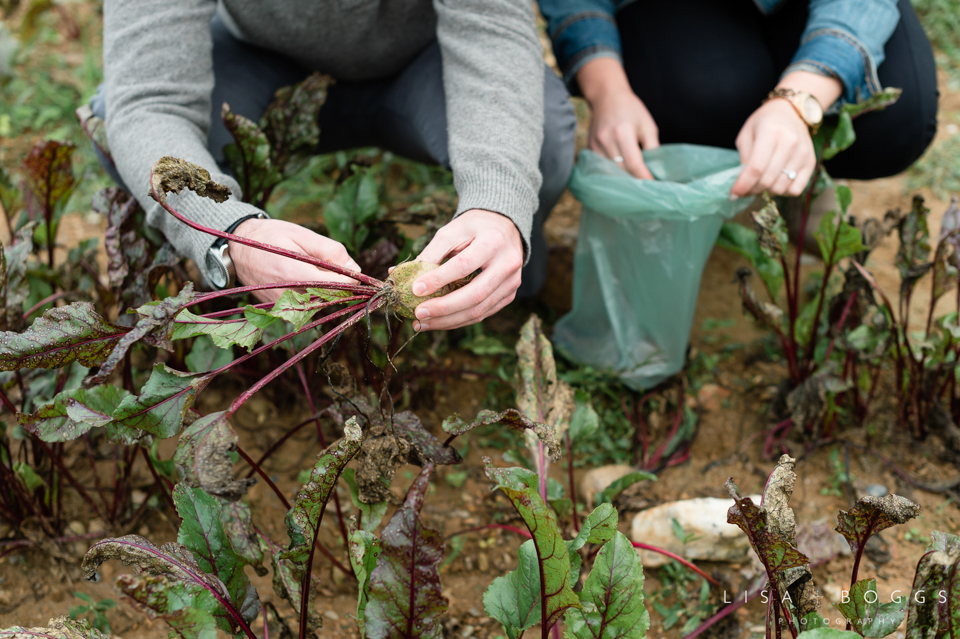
x,y
420,326
422,313
419,289
353,266
734,198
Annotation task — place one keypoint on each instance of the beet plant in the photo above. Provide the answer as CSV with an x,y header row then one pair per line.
x,y
828,363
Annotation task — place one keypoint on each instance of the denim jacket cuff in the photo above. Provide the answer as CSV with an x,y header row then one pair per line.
x,y
576,63
834,53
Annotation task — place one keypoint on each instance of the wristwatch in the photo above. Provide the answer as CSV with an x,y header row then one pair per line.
x,y
221,270
808,107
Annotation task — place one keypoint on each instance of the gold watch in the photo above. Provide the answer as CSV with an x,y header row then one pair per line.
x,y
807,106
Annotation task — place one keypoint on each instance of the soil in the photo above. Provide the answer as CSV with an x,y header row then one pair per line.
x,y
38,584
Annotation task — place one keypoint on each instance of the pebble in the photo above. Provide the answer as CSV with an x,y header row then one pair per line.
x,y
331,615
832,592
5,597
483,563
597,479
76,527
138,497
711,396
703,518
467,632
876,490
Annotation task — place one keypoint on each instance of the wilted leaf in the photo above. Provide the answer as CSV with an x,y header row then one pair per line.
x,y
225,333
520,486
307,512
426,447
370,514
60,628
286,582
944,542
249,158
914,250
405,598
203,457
928,617
867,616
154,327
290,122
774,552
172,175
741,240
871,515
513,419
612,597
541,396
201,531
238,527
772,230
13,276
767,314
876,102
64,334
74,412
47,181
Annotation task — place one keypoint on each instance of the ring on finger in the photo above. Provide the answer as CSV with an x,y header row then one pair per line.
x,y
618,159
790,174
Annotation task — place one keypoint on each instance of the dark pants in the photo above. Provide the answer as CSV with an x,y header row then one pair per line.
x,y
405,114
703,66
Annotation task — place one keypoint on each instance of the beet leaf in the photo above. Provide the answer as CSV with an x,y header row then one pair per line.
x,y
65,334
249,158
514,599
60,628
225,333
364,555
290,122
188,609
936,579
73,413
47,184
237,524
370,514
867,615
202,532
405,598
869,516
15,288
512,419
163,402
286,582
612,597
521,488
204,460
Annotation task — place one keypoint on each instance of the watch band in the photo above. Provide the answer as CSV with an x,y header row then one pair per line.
x,y
219,263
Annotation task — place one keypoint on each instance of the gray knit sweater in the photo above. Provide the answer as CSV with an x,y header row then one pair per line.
x,y
159,76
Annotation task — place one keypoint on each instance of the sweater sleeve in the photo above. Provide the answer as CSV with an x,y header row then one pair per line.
x,y
158,76
493,79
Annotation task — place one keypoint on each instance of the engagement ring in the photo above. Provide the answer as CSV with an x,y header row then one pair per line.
x,y
790,174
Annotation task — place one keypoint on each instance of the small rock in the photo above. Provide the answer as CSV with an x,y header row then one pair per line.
x,y
711,396
97,525
77,528
599,478
80,548
483,563
144,531
833,592
331,615
5,597
467,632
876,490
704,518
138,497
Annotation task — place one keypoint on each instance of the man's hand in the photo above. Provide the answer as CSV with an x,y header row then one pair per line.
x,y
621,123
775,138
476,239
259,267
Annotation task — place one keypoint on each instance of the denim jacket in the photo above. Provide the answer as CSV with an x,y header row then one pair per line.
x,y
842,39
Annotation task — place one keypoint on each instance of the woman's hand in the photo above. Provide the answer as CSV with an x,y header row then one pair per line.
x,y
621,123
476,239
259,267
774,141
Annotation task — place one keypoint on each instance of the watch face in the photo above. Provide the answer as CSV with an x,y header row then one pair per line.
x,y
812,111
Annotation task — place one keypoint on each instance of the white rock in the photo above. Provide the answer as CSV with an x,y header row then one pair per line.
x,y
704,518
599,478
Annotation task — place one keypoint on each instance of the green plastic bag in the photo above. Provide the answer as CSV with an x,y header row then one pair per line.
x,y
642,248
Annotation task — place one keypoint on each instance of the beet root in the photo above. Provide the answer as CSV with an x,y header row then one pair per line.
x,y
398,291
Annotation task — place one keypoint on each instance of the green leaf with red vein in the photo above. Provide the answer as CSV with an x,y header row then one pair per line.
x,y
238,527
163,402
775,552
60,628
155,327
927,616
249,158
202,532
307,512
73,413
514,599
65,334
520,486
612,596
871,515
225,333
187,608
867,615
290,122
172,579
204,460
47,181
364,555
13,277
406,599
